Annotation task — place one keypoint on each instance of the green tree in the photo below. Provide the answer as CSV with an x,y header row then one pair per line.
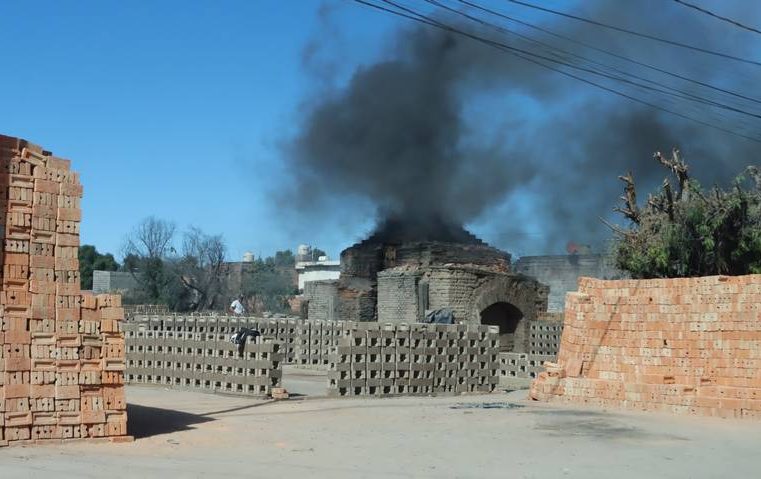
x,y
90,260
686,231
284,258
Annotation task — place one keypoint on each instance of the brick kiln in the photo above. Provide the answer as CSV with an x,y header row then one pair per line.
x,y
402,271
62,357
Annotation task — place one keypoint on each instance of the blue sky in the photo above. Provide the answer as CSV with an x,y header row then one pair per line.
x,y
179,109
171,108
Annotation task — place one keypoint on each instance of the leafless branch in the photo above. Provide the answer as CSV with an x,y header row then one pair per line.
x,y
630,208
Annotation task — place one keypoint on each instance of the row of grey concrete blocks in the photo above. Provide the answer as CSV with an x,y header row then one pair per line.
x,y
544,337
307,343
304,342
518,370
205,361
414,359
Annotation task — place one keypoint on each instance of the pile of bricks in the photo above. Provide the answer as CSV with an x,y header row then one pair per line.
x,y
687,346
414,359
62,358
196,353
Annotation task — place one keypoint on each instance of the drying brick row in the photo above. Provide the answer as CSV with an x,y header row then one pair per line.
x,y
183,357
414,359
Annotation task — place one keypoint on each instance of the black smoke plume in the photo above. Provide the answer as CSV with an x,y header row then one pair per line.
x,y
445,131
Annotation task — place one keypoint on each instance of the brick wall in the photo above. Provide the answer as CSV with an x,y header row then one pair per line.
x,y
323,299
688,346
465,290
398,297
562,272
112,281
62,357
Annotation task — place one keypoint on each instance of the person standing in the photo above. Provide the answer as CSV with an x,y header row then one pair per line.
x,y
237,306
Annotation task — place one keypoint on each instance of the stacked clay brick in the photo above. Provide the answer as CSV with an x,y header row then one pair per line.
x,y
62,358
687,346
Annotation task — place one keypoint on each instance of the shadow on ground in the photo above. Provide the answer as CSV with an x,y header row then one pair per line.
x,y
147,421
602,425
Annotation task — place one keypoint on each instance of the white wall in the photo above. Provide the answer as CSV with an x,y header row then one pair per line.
x,y
316,275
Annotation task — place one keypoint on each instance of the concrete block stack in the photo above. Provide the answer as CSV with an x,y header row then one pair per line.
x,y
62,357
289,339
544,337
362,358
447,350
302,343
196,353
414,359
422,359
391,335
479,358
687,346
306,343
518,370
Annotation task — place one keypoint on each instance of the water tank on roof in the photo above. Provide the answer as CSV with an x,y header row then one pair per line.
x,y
248,257
304,250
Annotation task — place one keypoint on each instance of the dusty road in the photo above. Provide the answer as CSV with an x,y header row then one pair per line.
x,y
187,435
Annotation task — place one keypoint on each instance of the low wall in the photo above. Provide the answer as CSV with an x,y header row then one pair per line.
x,y
518,370
688,345
304,343
310,343
409,359
208,361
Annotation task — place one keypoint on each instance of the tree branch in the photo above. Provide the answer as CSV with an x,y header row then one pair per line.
x,y
630,209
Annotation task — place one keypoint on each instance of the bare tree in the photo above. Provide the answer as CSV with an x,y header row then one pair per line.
x,y
152,238
145,252
201,269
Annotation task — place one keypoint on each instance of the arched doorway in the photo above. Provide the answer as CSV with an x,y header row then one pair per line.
x,y
507,317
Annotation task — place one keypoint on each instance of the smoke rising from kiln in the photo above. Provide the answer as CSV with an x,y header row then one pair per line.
x,y
443,129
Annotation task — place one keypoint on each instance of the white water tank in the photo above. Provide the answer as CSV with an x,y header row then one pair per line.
x,y
248,257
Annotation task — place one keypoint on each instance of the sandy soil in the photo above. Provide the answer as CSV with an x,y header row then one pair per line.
x,y
186,434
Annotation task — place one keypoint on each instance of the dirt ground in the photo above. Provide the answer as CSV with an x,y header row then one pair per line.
x,y
187,434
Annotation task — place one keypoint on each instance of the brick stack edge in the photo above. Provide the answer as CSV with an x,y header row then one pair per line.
x,y
62,358
686,346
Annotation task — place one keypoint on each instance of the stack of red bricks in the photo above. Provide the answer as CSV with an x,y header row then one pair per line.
x,y
62,357
686,345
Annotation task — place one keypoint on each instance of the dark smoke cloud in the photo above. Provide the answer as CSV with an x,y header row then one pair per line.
x,y
440,132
